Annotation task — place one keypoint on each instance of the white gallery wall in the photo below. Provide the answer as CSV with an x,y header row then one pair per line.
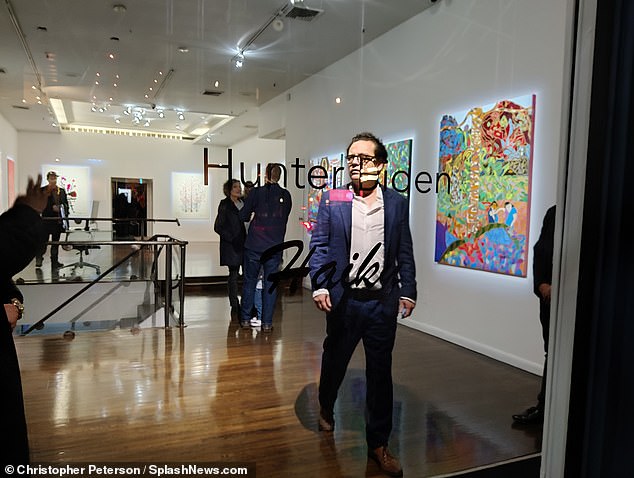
x,y
454,56
110,156
156,159
159,160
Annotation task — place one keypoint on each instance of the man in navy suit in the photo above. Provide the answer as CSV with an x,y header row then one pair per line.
x,y
363,275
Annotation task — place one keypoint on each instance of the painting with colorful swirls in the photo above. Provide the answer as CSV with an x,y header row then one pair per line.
x,y
399,165
482,218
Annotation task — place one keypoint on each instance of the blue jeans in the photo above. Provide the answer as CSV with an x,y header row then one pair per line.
x,y
257,299
251,270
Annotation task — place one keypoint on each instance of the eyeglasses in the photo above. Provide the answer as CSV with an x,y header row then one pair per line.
x,y
361,157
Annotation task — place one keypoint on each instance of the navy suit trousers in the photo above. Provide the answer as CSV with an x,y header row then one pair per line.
x,y
374,323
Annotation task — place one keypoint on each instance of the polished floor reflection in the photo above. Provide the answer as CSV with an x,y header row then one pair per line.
x,y
215,392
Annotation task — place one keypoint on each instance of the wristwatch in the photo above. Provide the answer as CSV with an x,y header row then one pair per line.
x,y
18,305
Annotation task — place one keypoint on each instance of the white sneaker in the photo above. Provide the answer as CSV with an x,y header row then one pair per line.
x,y
255,322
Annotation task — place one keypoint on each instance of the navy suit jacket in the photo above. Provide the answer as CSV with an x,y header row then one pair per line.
x,y
331,243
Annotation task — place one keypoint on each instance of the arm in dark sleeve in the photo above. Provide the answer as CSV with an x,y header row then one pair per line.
x,y
543,252
21,235
64,200
407,267
222,225
288,204
320,239
249,206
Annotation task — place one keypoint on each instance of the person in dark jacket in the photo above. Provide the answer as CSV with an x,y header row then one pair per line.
x,y
21,235
56,207
270,206
232,232
542,280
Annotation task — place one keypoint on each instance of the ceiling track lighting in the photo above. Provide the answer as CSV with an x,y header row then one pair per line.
x,y
238,60
25,45
294,9
166,78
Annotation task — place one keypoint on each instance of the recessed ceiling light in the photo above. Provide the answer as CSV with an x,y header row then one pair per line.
x,y
119,8
183,49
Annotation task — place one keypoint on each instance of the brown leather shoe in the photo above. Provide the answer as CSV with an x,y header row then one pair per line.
x,y
388,463
326,421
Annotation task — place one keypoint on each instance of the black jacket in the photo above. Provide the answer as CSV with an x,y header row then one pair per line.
x,y
272,205
543,252
21,235
232,233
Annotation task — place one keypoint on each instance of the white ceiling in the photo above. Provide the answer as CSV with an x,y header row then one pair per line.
x,y
59,49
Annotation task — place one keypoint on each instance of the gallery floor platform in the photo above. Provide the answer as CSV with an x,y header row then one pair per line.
x,y
212,392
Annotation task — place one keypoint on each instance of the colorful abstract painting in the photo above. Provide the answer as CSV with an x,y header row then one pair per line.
x,y
399,165
314,193
482,219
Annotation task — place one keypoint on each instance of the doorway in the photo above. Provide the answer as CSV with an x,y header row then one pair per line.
x,y
132,200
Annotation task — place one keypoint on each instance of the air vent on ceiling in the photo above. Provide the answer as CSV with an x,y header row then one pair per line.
x,y
212,93
300,11
20,107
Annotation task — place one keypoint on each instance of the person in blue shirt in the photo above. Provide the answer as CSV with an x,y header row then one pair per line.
x,y
268,208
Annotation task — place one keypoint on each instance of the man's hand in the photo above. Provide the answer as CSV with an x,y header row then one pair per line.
x,y
12,314
34,197
544,290
405,306
322,301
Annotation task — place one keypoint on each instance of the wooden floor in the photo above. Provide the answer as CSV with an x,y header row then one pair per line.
x,y
212,392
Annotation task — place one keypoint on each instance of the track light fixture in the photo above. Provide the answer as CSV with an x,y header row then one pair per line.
x,y
238,59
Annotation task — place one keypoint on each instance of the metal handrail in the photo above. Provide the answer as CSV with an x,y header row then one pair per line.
x,y
168,274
